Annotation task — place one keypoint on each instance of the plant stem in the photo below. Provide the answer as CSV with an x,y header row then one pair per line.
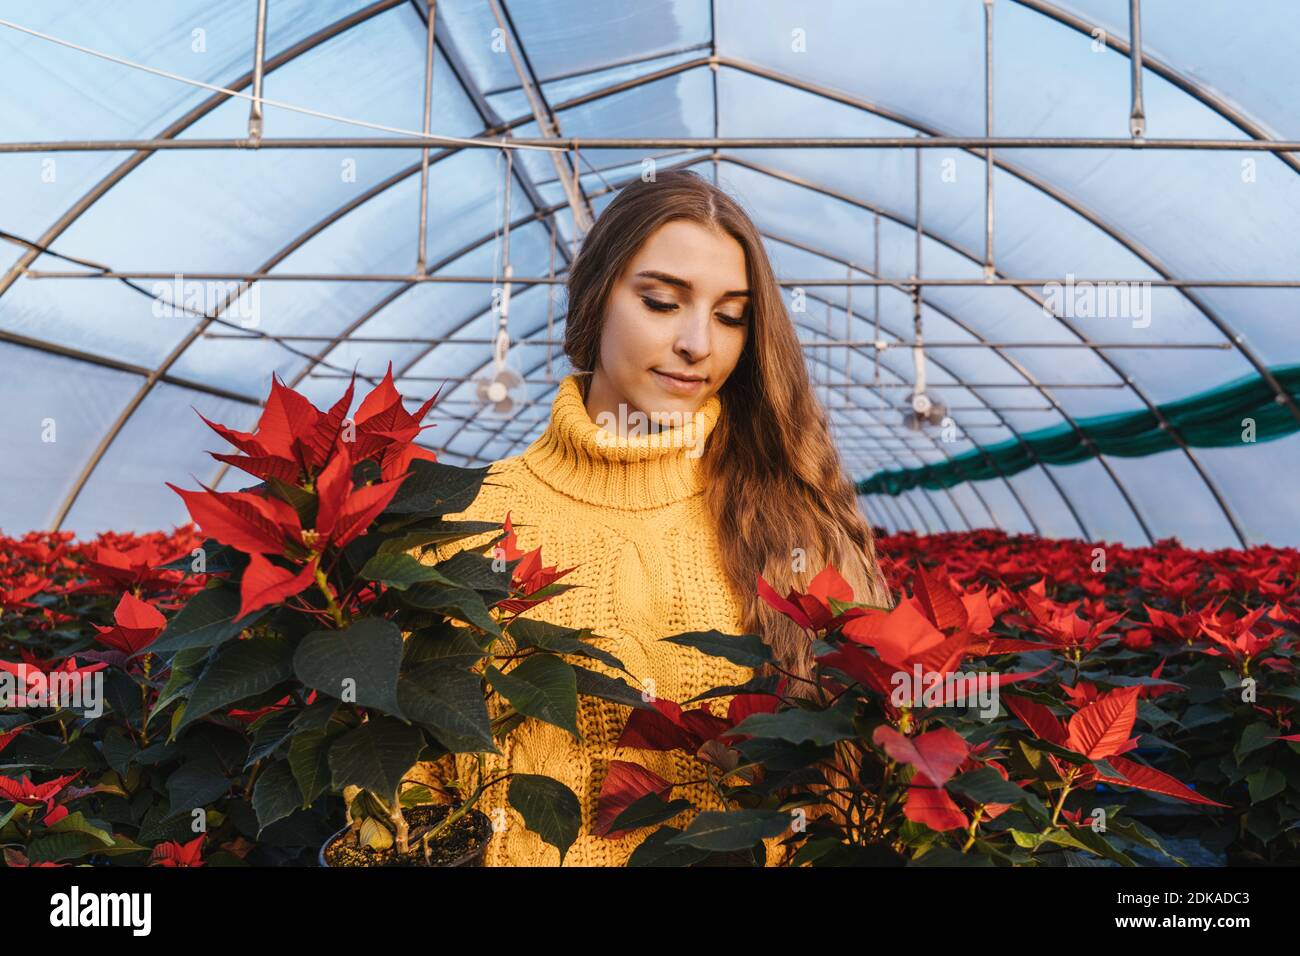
x,y
400,831
463,809
336,612
1065,790
970,838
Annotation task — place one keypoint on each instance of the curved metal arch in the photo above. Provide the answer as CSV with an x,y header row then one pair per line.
x,y
317,359
1011,488
900,517
1216,105
421,355
386,5
858,408
1051,191
91,196
927,496
1014,365
1115,233
940,365
1025,510
1193,88
893,519
1236,339
854,408
609,90
976,446
938,446
160,372
540,213
1127,379
897,516
1010,169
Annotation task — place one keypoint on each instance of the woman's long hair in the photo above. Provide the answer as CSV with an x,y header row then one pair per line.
x,y
782,504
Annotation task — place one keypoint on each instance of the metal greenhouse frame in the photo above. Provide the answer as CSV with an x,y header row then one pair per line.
x,y
865,420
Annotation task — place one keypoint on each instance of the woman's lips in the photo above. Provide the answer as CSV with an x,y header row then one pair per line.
x,y
679,386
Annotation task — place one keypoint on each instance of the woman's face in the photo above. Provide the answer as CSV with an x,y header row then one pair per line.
x,y
675,325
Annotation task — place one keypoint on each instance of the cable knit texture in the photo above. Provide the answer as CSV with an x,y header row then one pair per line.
x,y
630,514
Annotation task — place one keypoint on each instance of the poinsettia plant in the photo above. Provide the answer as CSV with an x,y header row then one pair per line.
x,y
297,651
965,725
364,659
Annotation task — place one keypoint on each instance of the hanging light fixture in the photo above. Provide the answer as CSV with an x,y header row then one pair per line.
x,y
500,390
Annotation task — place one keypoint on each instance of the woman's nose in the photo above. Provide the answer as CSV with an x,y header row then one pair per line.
x,y
693,336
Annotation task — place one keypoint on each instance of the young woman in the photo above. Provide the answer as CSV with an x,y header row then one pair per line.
x,y
714,466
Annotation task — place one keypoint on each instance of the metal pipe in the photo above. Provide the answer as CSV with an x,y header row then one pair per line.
x,y
1137,118
989,271
908,282
866,385
704,143
259,55
829,343
429,46
547,123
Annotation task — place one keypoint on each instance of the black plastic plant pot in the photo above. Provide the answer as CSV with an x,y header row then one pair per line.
x,y
474,830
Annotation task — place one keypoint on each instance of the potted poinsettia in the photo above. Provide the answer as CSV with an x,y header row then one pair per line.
x,y
899,755
347,659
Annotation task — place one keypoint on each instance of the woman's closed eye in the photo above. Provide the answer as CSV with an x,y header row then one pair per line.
x,y
657,305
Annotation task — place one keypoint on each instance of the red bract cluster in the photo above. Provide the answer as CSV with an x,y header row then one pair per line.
x,y
42,573
530,578
311,500
108,565
295,441
669,727
1078,596
47,795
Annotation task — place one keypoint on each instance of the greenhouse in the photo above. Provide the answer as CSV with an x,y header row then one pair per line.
x,y
1039,258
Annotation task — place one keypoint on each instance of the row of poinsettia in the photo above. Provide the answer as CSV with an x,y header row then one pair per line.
x,y
305,582
899,639
1076,677
45,575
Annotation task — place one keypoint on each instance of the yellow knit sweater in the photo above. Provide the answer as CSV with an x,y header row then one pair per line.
x,y
630,514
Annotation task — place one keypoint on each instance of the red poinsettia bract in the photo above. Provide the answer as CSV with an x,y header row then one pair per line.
x,y
1100,731
530,578
317,452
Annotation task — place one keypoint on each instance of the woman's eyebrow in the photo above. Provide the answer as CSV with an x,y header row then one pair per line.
x,y
684,284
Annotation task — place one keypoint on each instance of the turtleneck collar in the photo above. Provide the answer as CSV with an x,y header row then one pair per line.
x,y
581,459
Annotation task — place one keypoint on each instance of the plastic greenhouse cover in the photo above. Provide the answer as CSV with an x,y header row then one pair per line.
x,y
122,381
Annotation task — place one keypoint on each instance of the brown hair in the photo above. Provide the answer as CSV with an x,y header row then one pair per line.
x,y
776,482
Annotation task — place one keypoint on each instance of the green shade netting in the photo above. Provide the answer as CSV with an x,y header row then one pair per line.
x,y
1214,418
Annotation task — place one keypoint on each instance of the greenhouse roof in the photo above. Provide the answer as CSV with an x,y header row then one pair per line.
x,y
1108,304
